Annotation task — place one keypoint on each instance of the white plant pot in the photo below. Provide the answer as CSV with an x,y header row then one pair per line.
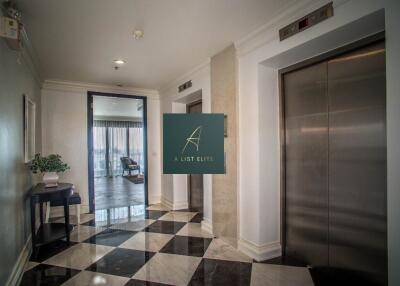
x,y
50,179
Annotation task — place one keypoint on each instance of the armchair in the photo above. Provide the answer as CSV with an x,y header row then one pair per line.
x,y
129,165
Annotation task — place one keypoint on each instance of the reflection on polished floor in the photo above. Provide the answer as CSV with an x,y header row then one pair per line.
x,y
154,246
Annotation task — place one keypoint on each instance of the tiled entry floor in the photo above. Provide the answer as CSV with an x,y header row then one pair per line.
x,y
152,247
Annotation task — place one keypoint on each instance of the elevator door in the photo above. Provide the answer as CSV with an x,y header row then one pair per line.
x,y
306,121
335,166
195,183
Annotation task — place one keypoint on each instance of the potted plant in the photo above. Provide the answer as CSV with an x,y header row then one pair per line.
x,y
49,166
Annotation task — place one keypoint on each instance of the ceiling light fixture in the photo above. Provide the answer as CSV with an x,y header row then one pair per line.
x,y
119,62
138,34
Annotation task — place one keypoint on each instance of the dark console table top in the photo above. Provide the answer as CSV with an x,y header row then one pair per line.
x,y
40,189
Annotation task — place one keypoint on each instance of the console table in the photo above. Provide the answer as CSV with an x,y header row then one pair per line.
x,y
49,232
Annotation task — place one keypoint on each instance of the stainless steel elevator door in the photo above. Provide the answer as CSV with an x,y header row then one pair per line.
x,y
357,163
306,162
335,166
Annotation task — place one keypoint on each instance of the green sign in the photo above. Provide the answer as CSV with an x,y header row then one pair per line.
x,y
193,143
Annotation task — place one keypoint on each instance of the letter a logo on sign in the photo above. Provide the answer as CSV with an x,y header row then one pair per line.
x,y
193,140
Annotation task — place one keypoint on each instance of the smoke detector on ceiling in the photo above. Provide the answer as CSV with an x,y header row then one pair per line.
x,y
138,34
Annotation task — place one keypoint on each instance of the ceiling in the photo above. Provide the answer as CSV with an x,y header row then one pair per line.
x,y
117,107
78,40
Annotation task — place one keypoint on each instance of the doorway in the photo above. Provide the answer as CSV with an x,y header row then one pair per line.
x,y
117,144
334,194
195,181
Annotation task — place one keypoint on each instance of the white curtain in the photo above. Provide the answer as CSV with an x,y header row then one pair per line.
x,y
99,146
136,145
117,149
117,146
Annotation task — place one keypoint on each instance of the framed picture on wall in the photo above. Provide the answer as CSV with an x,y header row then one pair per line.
x,y
29,128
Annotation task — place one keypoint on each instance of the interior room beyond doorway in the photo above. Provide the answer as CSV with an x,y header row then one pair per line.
x,y
118,152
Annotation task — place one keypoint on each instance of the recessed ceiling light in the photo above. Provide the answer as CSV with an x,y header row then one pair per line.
x,y
138,34
119,62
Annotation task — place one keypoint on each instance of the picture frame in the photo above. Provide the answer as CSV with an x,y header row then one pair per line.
x,y
29,111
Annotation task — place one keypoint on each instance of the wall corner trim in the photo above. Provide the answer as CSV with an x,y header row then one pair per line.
x,y
167,203
260,252
30,58
18,270
207,226
155,199
174,205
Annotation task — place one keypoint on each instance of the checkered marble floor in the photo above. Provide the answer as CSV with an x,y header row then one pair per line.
x,y
133,246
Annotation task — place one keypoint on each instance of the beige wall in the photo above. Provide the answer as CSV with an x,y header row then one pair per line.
x,y
64,117
223,100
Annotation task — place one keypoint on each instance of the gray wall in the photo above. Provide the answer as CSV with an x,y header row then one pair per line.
x,y
15,179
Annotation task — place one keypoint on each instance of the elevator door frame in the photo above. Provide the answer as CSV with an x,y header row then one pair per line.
x,y
306,63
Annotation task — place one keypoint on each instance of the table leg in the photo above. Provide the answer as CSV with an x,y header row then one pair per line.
x,y
41,213
66,215
33,227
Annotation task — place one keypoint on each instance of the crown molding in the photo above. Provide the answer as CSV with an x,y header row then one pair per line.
x,y
29,57
73,86
269,31
179,80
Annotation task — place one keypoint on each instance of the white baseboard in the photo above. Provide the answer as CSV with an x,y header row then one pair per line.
x,y
167,203
154,199
180,205
260,252
18,270
59,211
207,226
174,205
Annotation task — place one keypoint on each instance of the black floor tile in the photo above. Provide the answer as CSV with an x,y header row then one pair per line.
x,y
191,210
47,275
121,262
187,245
134,282
330,276
111,237
284,260
149,214
46,251
168,227
221,272
197,218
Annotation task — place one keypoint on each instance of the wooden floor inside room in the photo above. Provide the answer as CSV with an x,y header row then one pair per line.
x,y
117,192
